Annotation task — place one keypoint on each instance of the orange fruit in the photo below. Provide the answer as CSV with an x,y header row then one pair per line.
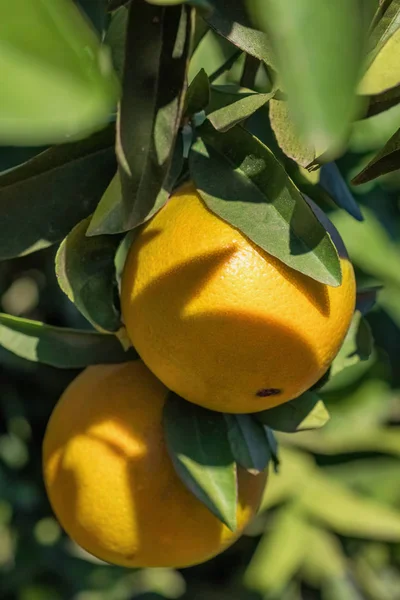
x,y
112,484
220,321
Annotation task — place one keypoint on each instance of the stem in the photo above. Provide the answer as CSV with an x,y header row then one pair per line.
x,y
225,66
250,69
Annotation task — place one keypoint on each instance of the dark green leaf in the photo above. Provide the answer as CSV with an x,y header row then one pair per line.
x,y
59,347
242,182
248,442
116,38
273,446
108,217
386,161
229,19
303,413
318,52
198,444
332,181
366,299
96,11
152,104
357,345
50,51
230,115
86,273
42,199
198,94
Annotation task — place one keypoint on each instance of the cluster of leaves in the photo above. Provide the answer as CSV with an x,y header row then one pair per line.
x,y
90,192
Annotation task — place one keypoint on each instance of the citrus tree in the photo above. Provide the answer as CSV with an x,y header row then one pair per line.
x,y
186,155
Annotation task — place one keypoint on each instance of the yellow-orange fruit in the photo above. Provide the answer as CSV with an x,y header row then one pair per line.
x,y
112,484
221,322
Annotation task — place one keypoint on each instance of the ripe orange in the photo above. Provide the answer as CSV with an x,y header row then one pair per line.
x,y
221,322
112,484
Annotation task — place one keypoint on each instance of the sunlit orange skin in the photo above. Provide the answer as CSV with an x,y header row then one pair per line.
x,y
220,321
112,484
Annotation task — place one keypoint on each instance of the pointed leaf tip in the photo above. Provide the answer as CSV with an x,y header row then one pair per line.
x,y
199,448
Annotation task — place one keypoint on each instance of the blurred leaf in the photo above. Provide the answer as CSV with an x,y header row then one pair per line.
x,y
279,554
376,477
386,161
115,38
366,298
108,217
56,58
324,557
198,445
243,183
58,346
326,565
357,345
383,71
384,440
373,133
198,94
295,468
42,199
347,513
230,115
322,105
248,442
305,412
86,273
332,181
229,19
370,246
152,105
287,134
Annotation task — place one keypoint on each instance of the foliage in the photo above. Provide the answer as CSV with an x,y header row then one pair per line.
x,y
235,96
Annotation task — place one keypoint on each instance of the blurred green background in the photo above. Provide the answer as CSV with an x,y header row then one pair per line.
x,y
330,523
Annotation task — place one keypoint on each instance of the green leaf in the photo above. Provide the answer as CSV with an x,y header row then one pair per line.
x,y
229,19
279,554
303,413
358,345
108,218
115,38
198,94
55,57
322,105
386,161
230,115
152,104
58,346
242,182
86,273
348,513
273,446
42,199
248,442
383,60
287,134
198,444
370,246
